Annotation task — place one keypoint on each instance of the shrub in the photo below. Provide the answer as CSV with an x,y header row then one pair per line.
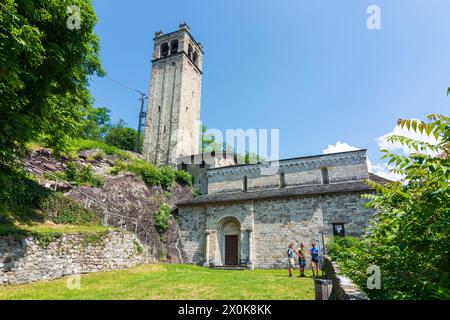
x,y
94,239
162,217
71,172
338,247
118,167
154,176
99,155
44,239
81,175
123,137
23,200
167,177
19,195
149,173
77,145
63,210
138,247
183,178
408,239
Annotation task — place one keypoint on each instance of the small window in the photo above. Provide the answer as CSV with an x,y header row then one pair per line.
x,y
245,184
195,57
282,180
174,47
164,50
190,51
338,230
159,108
325,176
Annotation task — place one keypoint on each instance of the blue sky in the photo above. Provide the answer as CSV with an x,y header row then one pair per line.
x,y
309,68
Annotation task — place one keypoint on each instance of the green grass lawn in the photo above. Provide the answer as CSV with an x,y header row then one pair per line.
x,y
171,282
49,228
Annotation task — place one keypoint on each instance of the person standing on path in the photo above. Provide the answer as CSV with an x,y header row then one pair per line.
x,y
291,252
302,259
314,259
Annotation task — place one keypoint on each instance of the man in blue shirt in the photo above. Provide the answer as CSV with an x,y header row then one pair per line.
x,y
314,259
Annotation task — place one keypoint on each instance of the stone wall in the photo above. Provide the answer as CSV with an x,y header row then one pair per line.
x,y
27,260
191,221
343,287
345,166
267,226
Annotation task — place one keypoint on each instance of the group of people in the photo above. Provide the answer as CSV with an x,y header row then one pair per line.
x,y
300,253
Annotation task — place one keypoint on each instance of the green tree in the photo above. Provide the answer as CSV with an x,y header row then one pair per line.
x,y
44,71
208,142
414,216
123,137
95,123
409,238
249,158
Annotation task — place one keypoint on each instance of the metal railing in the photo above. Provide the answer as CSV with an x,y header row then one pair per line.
x,y
106,211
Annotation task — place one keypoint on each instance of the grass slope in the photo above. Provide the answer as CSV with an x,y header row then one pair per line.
x,y
49,228
171,282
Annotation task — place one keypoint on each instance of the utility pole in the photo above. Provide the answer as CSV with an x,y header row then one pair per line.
x,y
142,115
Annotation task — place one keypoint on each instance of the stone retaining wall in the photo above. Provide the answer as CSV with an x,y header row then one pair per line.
x,y
343,287
28,259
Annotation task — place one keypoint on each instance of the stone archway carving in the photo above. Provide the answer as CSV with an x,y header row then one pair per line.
x,y
229,237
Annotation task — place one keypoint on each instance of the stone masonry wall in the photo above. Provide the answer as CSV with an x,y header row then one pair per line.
x,y
346,166
343,287
191,221
273,224
26,260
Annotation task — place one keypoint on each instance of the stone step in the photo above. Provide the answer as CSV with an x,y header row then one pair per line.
x,y
228,268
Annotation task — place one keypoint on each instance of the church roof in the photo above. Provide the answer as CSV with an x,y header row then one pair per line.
x,y
378,179
288,192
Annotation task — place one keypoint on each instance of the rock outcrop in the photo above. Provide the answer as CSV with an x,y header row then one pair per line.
x,y
125,194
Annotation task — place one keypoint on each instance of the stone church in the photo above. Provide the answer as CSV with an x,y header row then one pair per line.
x,y
244,217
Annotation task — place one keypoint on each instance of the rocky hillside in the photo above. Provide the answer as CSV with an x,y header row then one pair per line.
x,y
123,193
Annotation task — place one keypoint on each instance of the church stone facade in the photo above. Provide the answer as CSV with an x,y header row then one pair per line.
x,y
248,220
246,215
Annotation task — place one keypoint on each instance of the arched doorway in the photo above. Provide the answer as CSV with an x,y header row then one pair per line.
x,y
230,235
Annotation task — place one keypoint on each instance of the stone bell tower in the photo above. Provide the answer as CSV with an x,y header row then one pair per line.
x,y
172,127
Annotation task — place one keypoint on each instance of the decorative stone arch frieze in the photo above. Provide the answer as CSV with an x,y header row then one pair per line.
x,y
293,164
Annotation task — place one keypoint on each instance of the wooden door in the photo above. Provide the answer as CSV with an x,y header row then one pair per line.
x,y
231,250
